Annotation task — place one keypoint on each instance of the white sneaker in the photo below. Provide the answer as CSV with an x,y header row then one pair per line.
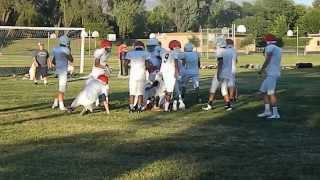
x,y
63,108
182,106
265,114
208,108
275,116
54,106
166,106
175,105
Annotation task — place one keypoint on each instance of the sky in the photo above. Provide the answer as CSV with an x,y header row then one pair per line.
x,y
152,3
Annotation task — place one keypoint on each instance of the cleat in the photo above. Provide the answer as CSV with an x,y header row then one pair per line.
x,y
265,114
275,116
63,109
228,108
175,105
208,108
182,106
54,106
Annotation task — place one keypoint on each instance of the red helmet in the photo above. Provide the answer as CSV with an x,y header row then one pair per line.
x,y
105,43
139,45
269,38
174,44
103,78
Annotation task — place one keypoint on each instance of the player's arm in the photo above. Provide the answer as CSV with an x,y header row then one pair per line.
x,y
34,61
97,63
199,62
266,62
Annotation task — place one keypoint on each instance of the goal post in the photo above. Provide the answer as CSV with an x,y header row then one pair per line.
x,y
18,41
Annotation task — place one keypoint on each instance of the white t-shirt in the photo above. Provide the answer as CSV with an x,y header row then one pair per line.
x,y
137,64
227,55
168,59
102,55
191,63
274,67
234,59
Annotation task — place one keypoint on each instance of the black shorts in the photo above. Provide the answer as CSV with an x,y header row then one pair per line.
x,y
42,71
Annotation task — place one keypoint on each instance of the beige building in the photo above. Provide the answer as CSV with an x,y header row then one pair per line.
x,y
314,44
205,42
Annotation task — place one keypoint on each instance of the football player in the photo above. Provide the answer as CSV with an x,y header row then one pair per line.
x,y
170,71
138,59
42,63
271,68
233,92
223,74
101,57
61,57
191,63
95,88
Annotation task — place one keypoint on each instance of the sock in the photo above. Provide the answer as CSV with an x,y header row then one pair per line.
x,y
267,108
61,104
131,106
55,103
275,111
45,82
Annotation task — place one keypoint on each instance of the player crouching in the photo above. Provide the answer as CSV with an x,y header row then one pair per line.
x,y
93,90
138,60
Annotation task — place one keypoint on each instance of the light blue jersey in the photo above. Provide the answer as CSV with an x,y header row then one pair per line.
x,y
154,57
60,54
191,63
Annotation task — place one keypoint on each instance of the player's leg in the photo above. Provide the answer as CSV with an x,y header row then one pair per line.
x,y
105,101
214,86
59,100
264,90
225,94
231,89
273,98
196,86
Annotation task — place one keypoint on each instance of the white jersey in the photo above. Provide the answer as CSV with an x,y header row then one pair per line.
x,y
274,67
137,64
234,59
102,55
88,96
168,65
227,55
191,63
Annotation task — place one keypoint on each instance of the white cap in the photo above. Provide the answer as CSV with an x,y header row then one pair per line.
x,y
221,42
188,47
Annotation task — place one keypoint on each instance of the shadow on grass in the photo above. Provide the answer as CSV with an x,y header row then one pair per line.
x,y
209,145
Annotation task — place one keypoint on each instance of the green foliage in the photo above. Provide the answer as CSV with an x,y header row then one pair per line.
x,y
247,41
195,41
279,27
256,25
310,21
125,12
158,20
28,14
224,13
184,14
292,42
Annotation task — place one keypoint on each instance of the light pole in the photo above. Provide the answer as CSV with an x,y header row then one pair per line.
x,y
290,33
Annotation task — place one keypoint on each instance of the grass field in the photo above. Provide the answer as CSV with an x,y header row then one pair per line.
x,y
39,143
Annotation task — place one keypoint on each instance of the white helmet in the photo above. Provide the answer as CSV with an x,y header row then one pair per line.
x,y
152,36
221,42
188,47
152,42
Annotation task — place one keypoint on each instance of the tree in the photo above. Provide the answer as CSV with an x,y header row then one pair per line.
x,y
125,12
310,23
27,13
316,4
7,11
223,13
279,27
256,25
159,21
184,14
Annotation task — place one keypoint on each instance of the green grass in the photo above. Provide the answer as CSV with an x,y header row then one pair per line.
x,y
39,143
